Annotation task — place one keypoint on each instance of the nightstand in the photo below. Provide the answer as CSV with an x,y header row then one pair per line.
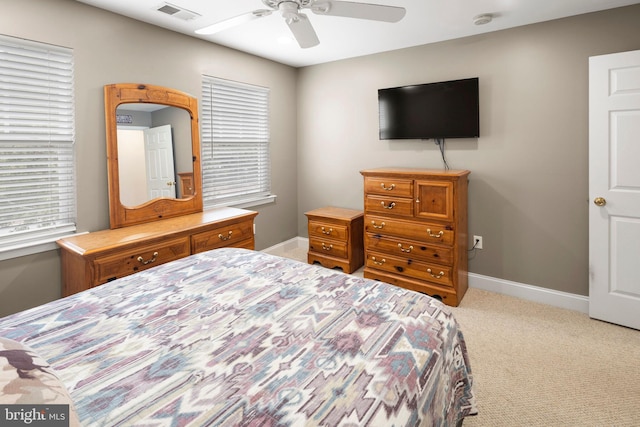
x,y
336,238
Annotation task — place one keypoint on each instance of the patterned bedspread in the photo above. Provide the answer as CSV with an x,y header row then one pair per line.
x,y
236,337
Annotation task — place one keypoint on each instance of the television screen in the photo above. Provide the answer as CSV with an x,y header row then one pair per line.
x,y
430,111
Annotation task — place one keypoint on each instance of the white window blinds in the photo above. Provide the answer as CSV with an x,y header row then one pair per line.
x,y
37,185
235,142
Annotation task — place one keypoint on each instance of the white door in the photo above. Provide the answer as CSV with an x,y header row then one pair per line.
x,y
614,188
158,148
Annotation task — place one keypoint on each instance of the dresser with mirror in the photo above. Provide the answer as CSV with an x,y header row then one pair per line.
x,y
155,197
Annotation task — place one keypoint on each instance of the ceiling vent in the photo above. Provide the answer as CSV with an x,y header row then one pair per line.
x,y
178,12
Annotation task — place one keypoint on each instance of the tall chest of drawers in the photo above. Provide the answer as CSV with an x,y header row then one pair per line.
x,y
416,230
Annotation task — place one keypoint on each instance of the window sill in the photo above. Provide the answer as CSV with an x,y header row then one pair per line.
x,y
248,203
34,247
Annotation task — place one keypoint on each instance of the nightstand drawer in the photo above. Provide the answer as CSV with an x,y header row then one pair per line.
x,y
128,262
328,247
328,230
232,235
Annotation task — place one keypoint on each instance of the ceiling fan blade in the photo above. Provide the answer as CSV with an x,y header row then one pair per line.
x,y
303,31
232,22
374,12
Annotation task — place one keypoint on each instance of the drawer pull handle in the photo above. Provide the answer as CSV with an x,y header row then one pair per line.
x,y
327,248
376,262
390,206
408,250
389,188
435,276
223,237
440,234
377,226
327,232
149,261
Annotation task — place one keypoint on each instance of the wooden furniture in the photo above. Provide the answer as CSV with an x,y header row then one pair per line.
x,y
416,230
168,106
335,238
186,183
93,259
161,229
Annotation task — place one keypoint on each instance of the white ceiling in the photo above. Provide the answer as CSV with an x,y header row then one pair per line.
x,y
426,21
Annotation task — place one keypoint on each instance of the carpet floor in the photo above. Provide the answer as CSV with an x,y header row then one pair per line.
x,y
538,365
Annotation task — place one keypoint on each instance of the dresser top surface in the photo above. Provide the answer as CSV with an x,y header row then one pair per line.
x,y
98,240
411,172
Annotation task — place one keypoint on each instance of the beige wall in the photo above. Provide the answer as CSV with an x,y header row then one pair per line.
x,y
529,175
108,49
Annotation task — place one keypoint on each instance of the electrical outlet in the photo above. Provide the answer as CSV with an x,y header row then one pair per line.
x,y
477,241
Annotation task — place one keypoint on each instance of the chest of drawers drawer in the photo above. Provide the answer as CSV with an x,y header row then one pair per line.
x,y
421,231
392,187
389,205
439,274
231,235
411,249
139,259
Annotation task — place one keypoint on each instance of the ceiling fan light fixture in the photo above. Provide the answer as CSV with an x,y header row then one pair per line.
x,y
290,11
482,19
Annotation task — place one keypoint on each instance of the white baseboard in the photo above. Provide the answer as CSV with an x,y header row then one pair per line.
x,y
530,293
288,245
500,286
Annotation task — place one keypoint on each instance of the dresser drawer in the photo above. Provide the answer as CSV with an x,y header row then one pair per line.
x,y
421,231
132,261
328,247
392,187
409,248
442,275
328,230
231,235
389,205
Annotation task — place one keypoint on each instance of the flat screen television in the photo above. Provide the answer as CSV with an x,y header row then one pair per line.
x,y
430,111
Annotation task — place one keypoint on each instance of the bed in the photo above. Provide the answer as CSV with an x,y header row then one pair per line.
x,y
237,337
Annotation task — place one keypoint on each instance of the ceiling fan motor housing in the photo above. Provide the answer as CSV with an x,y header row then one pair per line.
x,y
275,4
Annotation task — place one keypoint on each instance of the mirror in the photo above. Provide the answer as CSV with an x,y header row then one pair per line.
x,y
161,136
153,153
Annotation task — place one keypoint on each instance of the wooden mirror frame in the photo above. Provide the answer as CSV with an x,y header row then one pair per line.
x,y
156,209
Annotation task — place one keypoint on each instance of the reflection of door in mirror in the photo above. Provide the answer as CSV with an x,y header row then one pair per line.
x,y
158,151
141,182
148,163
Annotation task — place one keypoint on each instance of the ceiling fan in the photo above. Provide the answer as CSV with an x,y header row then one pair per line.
x,y
298,22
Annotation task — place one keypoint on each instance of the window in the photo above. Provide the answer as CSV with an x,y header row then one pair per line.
x,y
37,184
235,143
